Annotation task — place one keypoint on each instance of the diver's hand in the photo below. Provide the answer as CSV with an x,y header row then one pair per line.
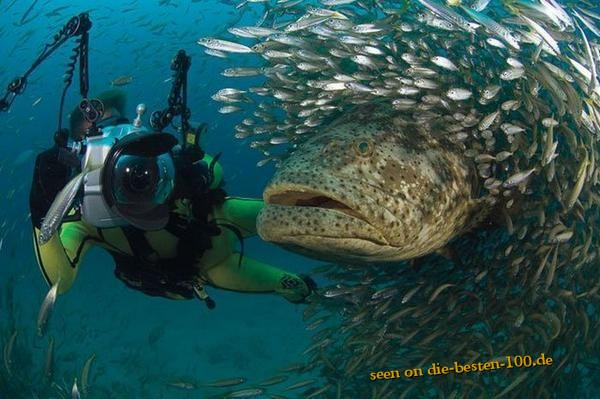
x,y
297,288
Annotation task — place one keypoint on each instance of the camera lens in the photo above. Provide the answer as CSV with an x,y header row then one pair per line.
x,y
140,180
140,177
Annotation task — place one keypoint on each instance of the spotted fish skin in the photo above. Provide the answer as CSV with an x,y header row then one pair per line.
x,y
370,187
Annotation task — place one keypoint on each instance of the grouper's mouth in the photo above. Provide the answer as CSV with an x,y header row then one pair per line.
x,y
313,199
318,224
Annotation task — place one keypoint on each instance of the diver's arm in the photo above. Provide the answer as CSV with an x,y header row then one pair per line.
x,y
60,258
239,212
255,276
242,213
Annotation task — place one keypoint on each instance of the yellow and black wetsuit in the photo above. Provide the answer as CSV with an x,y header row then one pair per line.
x,y
161,269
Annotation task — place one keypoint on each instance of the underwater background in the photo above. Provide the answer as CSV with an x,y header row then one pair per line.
x,y
142,345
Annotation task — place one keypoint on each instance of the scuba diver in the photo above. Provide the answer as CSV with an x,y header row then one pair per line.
x,y
154,202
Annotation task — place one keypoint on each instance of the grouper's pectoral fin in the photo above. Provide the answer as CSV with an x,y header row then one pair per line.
x,y
447,252
451,254
481,212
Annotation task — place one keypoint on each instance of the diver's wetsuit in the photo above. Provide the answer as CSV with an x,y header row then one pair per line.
x,y
162,262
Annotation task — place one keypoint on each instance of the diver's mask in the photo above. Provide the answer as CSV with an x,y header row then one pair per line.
x,y
130,177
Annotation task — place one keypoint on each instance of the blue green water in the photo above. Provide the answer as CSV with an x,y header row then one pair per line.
x,y
140,342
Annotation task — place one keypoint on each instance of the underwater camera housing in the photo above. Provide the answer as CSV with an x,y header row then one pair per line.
x,y
130,175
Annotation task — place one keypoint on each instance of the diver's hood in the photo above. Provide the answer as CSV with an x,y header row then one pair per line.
x,y
145,206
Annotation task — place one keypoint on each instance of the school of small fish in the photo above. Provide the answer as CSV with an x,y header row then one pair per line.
x,y
515,84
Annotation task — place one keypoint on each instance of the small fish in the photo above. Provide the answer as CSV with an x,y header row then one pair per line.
x,y
318,392
512,73
46,308
513,385
458,94
336,2
75,391
8,351
366,28
263,162
335,86
325,12
492,41
588,23
279,140
253,31
510,105
438,290
122,80
215,53
480,5
562,237
358,87
228,109
410,294
276,54
510,129
48,364
224,45
36,102
85,374
241,32
423,83
513,62
305,23
59,208
517,178
278,379
241,72
24,19
288,40
490,92
591,62
488,120
503,155
182,385
494,27
225,383
364,60
520,319
449,15
580,180
23,157
543,33
228,91
245,393
300,384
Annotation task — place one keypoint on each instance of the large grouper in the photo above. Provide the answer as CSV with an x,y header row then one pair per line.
x,y
372,187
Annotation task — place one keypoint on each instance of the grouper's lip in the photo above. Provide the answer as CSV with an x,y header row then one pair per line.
x,y
295,195
329,239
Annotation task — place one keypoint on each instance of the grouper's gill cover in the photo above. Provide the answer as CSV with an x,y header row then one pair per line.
x,y
370,187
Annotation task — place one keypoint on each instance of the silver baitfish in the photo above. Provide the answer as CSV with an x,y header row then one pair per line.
x,y
46,308
59,208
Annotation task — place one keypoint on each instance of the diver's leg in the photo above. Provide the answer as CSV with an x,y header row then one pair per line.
x,y
60,258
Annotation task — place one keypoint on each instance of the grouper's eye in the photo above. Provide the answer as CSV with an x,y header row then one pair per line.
x,y
363,148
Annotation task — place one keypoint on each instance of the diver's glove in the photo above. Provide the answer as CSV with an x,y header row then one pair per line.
x,y
297,288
